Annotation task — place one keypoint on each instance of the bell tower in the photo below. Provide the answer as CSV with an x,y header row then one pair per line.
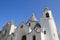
x,y
47,21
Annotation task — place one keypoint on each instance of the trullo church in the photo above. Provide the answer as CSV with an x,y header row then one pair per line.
x,y
32,29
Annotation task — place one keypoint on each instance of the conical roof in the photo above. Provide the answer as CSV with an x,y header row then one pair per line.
x,y
33,18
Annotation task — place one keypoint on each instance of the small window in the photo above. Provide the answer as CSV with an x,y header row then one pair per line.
x,y
47,15
21,26
24,37
34,38
0,31
29,24
13,34
44,32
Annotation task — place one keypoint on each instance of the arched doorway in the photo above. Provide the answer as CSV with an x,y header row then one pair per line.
x,y
24,37
34,37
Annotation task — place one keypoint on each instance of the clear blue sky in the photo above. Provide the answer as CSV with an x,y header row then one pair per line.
x,y
21,10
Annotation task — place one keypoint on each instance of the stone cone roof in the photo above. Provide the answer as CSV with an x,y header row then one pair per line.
x,y
33,18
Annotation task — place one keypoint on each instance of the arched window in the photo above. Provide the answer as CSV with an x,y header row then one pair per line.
x,y
21,26
47,15
38,25
24,37
34,38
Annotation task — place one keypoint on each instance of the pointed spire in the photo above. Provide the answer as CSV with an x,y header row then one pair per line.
x,y
33,18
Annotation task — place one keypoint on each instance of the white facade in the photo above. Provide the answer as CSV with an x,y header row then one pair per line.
x,y
32,30
47,21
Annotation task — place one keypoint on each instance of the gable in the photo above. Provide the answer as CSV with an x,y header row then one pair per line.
x,y
23,26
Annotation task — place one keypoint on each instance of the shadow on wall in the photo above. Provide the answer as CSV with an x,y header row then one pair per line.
x,y
59,36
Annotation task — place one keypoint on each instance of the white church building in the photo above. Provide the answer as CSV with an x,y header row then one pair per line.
x,y
32,29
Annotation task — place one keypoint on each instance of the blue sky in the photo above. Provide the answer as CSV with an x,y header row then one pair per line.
x,y
21,10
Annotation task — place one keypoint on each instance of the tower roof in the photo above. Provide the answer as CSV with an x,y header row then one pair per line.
x,y
46,8
33,18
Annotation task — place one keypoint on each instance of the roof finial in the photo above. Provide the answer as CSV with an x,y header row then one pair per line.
x,y
33,14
